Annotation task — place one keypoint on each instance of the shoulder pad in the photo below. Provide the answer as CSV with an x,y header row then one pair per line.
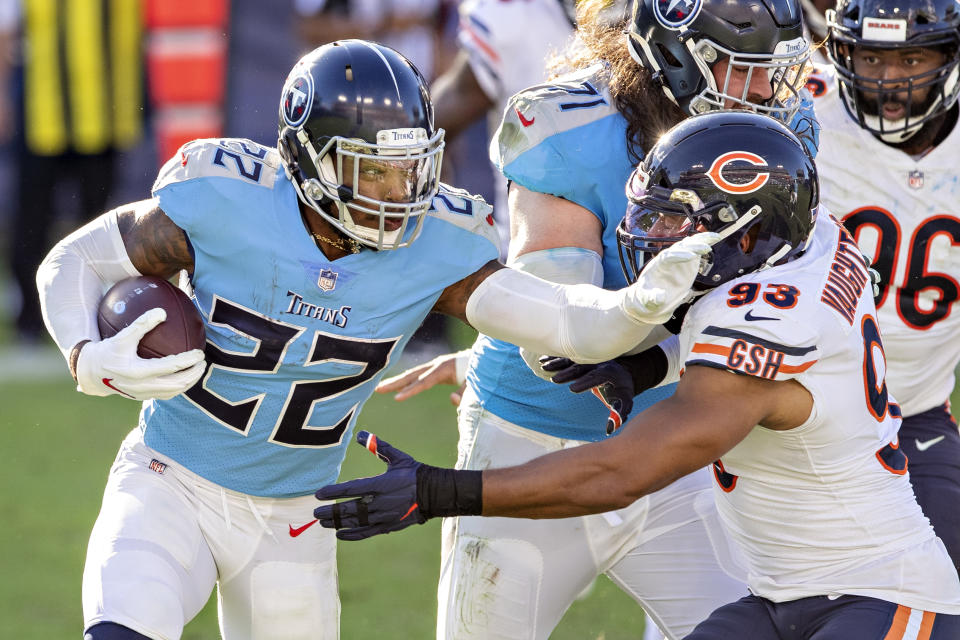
x,y
236,158
544,110
465,210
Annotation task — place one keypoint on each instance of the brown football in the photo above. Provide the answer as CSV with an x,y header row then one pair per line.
x,y
128,299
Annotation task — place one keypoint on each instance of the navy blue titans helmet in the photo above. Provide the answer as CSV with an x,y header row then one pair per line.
x,y
349,109
679,41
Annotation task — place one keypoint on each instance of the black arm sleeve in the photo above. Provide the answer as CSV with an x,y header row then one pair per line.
x,y
449,492
647,368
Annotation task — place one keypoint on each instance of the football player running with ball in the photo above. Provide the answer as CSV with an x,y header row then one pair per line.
x,y
782,391
312,264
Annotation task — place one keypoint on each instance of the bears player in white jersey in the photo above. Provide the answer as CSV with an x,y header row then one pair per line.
x,y
782,391
889,165
568,146
312,265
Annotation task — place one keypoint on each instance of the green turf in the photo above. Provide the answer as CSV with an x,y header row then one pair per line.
x,y
59,445
58,448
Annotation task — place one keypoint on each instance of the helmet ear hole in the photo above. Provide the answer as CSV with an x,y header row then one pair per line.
x,y
288,150
668,57
748,241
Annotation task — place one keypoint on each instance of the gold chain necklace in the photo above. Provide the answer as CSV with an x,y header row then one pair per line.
x,y
344,244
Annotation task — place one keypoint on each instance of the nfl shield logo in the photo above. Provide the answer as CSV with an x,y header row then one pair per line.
x,y
675,14
915,179
327,280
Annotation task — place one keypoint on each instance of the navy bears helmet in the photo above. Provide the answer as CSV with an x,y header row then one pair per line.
x,y
895,25
679,41
740,174
349,110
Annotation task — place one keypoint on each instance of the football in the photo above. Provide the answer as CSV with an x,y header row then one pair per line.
x,y
128,299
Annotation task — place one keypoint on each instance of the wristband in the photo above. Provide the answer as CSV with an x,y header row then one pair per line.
x,y
647,368
443,493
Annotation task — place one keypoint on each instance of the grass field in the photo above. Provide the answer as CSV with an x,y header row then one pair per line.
x,y
59,445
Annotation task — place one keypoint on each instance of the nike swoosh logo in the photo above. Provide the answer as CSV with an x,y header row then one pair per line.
x,y
108,382
295,532
926,444
752,318
523,120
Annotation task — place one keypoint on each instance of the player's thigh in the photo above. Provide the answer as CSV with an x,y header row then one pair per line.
x,y
681,568
861,618
511,578
274,584
748,617
932,444
508,577
148,567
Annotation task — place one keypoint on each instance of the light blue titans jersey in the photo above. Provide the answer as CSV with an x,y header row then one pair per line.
x,y
295,343
566,139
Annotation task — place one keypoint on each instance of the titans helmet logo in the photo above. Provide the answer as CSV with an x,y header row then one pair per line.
x,y
676,14
297,99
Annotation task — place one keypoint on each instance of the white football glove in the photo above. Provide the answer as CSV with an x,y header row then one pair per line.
x,y
113,366
664,284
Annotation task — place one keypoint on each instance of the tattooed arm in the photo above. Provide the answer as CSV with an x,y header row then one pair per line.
x,y
135,239
156,246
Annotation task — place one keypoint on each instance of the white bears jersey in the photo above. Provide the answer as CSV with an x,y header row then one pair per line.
x,y
826,507
905,215
509,44
295,343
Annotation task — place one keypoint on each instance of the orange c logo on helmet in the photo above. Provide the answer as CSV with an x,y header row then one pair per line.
x,y
716,172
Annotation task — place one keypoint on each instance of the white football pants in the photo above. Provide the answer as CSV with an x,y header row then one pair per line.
x,y
165,537
515,578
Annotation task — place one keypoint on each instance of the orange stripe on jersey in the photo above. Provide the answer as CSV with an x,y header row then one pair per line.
x,y
798,368
480,42
926,625
717,349
899,625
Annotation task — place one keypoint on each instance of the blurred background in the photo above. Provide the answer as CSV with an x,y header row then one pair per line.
x,y
97,94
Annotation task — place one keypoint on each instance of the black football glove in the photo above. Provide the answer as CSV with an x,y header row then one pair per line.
x,y
408,492
610,381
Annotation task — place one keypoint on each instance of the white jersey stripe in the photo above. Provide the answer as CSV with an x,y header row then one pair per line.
x,y
912,632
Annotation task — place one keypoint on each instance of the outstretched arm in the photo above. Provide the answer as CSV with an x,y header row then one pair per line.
x,y
709,414
582,322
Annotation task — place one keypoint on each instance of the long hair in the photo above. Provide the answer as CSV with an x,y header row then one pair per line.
x,y
641,100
